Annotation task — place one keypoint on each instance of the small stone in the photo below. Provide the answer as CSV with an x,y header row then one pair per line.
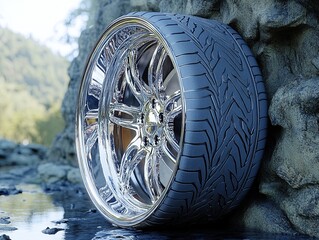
x,y
61,221
92,210
74,175
51,173
7,145
51,231
5,237
21,171
22,160
6,149
9,191
24,150
32,149
5,220
7,228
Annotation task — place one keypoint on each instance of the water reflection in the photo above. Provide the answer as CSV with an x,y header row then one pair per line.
x,y
30,212
33,211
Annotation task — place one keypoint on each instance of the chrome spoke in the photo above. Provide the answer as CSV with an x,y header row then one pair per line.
x,y
91,115
155,71
95,88
124,116
169,135
91,118
171,102
151,175
174,112
140,90
167,163
171,83
131,158
167,153
90,137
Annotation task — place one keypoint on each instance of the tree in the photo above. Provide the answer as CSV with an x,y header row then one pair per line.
x,y
33,81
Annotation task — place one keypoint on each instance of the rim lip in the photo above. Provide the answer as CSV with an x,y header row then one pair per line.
x,y
81,153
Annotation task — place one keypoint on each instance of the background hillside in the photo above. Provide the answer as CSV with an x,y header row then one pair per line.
x,y
32,84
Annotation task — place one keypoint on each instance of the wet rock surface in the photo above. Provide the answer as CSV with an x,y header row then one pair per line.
x,y
4,237
5,220
13,154
11,190
52,231
51,173
293,179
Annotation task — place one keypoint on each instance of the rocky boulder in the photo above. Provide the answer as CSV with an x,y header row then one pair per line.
x,y
14,154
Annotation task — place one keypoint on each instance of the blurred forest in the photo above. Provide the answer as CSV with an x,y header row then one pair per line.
x,y
33,81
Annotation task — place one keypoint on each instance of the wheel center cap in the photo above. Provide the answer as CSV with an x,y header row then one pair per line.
x,y
152,123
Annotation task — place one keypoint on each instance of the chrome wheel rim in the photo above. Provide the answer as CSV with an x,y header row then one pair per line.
x,y
129,122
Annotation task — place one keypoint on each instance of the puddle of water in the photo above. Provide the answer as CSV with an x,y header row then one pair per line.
x,y
31,212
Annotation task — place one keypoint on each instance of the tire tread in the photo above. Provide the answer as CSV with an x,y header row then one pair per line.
x,y
224,122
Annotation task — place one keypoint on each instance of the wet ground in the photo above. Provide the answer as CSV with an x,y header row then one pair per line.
x,y
63,211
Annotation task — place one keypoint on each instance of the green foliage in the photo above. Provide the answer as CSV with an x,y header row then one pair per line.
x,y
33,81
49,125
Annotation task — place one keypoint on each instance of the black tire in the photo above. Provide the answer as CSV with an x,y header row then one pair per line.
x,y
223,123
